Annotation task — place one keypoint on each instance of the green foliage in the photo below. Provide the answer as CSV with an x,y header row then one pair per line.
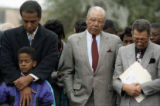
x,y
147,9
67,11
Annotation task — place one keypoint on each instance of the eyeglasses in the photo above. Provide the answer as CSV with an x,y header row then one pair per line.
x,y
140,39
155,34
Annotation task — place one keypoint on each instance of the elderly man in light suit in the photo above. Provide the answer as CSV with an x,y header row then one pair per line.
x,y
87,63
149,58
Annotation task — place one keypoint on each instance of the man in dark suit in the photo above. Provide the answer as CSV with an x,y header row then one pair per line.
x,y
31,33
0,49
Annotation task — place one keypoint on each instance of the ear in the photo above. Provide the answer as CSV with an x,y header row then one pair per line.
x,y
34,63
74,30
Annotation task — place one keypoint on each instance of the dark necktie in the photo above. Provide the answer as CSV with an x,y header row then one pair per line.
x,y
94,53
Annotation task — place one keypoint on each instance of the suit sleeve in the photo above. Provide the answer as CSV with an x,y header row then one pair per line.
x,y
8,65
152,87
66,66
49,61
117,84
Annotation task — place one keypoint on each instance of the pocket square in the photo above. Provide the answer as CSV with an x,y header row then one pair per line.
x,y
152,60
109,50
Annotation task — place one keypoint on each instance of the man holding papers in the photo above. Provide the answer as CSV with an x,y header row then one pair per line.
x,y
147,54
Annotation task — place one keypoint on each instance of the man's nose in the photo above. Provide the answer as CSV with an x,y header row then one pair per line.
x,y
29,24
23,63
96,23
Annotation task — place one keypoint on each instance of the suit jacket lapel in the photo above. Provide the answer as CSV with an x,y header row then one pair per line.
x,y
83,49
131,55
146,58
147,55
102,50
22,37
39,37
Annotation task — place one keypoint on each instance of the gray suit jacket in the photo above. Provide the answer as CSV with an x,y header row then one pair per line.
x,y
151,62
78,77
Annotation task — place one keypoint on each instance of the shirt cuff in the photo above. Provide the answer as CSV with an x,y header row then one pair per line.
x,y
35,77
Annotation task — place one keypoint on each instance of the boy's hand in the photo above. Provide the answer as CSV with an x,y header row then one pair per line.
x,y
26,95
23,82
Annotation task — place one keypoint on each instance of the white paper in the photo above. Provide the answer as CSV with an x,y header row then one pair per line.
x,y
136,74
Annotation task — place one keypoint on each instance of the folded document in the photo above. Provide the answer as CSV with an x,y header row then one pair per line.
x,y
136,74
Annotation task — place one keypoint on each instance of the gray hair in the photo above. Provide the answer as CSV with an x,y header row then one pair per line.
x,y
96,8
142,25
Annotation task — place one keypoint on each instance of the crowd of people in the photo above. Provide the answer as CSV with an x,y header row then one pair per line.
x,y
38,68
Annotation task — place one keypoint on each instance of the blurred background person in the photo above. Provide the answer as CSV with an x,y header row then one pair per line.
x,y
155,33
80,25
126,36
6,26
57,27
109,27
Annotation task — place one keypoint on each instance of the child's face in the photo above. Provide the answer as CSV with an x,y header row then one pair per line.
x,y
26,63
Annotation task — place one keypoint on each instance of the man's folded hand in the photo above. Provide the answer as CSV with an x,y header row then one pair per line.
x,y
132,89
23,82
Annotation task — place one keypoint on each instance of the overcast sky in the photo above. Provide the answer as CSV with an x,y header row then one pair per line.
x,y
15,3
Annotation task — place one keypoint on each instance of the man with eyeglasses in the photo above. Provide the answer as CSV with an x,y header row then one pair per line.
x,y
147,54
155,33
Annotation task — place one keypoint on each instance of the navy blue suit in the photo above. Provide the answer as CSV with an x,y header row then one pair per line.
x,y
0,63
45,43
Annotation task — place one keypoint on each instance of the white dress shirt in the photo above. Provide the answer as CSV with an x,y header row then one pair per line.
x,y
89,46
29,36
32,35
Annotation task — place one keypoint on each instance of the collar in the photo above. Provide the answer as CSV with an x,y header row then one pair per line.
x,y
142,51
90,35
33,34
22,74
138,50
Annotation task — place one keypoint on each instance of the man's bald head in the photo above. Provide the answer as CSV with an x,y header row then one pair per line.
x,y
96,9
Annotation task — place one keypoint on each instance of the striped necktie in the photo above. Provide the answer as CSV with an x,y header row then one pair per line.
x,y
138,57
